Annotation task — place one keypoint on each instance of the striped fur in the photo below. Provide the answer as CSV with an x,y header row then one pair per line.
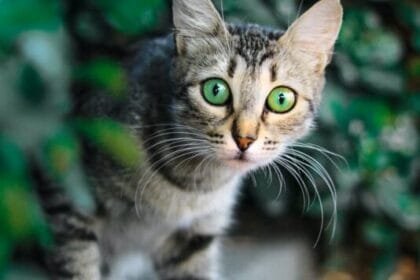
x,y
178,202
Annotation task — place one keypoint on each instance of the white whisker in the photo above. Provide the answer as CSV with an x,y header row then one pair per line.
x,y
301,183
297,165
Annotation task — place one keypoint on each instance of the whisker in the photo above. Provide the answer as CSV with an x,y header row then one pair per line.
x,y
280,178
301,183
197,168
314,165
324,152
177,140
145,185
254,180
181,152
174,130
296,164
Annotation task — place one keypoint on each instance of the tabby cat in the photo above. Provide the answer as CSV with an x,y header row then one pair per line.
x,y
208,103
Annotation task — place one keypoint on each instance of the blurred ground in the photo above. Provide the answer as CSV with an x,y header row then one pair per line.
x,y
257,248
250,259
243,259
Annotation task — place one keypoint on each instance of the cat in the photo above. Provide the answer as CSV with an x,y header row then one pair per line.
x,y
208,103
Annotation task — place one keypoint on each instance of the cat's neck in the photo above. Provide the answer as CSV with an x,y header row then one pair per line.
x,y
190,168
198,174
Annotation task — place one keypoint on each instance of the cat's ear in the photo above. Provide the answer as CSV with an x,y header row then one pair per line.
x,y
314,33
196,22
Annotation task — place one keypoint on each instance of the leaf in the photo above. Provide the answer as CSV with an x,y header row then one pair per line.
x,y
75,184
377,116
379,234
381,48
255,10
415,40
61,158
384,265
105,74
414,67
19,271
403,206
112,138
371,157
132,17
333,106
61,151
12,159
413,102
17,16
409,13
31,85
367,41
47,53
383,81
20,215
5,253
355,21
347,70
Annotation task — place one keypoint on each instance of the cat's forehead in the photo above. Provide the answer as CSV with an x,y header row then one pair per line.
x,y
254,43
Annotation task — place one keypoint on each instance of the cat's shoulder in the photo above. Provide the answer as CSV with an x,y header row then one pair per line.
x,y
151,51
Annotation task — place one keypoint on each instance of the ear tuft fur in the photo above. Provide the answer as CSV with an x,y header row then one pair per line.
x,y
314,33
194,20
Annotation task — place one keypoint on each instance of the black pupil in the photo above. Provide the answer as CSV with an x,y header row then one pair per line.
x,y
282,98
216,89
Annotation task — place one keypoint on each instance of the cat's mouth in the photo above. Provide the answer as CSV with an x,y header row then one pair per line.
x,y
241,157
241,161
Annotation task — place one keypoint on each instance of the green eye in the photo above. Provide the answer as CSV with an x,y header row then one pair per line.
x,y
216,92
281,100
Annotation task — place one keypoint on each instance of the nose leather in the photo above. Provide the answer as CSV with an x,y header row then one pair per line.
x,y
244,142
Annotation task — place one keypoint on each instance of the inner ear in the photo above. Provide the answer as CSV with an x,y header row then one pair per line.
x,y
314,33
196,23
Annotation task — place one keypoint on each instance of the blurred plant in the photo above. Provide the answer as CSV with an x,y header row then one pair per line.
x,y
41,46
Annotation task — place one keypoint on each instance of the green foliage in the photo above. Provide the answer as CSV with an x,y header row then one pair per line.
x,y
112,138
132,16
38,67
60,152
19,16
105,74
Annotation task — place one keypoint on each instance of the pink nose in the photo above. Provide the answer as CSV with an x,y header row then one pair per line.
x,y
243,142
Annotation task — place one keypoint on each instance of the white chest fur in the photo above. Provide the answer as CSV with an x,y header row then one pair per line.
x,y
163,209
175,206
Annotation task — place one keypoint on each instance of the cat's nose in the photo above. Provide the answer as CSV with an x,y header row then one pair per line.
x,y
243,142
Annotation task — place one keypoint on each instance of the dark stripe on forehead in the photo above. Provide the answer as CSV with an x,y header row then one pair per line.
x,y
273,72
268,54
254,43
232,67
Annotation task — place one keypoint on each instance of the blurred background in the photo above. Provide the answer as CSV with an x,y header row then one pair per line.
x,y
52,53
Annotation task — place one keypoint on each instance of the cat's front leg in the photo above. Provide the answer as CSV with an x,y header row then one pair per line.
x,y
188,255
75,253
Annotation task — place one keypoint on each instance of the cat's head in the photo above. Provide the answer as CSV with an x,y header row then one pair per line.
x,y
251,91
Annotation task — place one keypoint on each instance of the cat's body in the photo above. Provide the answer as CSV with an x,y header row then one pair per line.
x,y
197,147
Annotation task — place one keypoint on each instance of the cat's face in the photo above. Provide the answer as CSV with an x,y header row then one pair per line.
x,y
250,91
